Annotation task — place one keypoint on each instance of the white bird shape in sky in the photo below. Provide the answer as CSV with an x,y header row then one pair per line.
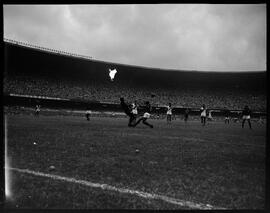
x,y
112,73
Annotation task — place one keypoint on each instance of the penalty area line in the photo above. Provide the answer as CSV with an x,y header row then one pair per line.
x,y
142,194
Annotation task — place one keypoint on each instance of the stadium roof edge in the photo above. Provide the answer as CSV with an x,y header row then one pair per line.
x,y
89,58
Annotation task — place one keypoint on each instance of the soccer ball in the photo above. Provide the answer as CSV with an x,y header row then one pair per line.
x,y
137,151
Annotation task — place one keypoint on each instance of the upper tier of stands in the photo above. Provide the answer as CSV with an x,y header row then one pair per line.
x,y
30,70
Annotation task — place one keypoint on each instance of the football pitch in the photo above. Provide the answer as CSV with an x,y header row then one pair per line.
x,y
103,164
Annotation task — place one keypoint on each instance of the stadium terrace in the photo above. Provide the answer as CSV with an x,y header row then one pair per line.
x,y
41,71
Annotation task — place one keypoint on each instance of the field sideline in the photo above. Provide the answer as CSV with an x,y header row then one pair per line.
x,y
220,165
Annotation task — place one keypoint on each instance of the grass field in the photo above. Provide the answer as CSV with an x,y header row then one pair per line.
x,y
220,165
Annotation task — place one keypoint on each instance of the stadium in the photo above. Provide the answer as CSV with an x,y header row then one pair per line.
x,y
59,159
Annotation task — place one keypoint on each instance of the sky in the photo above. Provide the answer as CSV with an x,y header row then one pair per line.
x,y
201,37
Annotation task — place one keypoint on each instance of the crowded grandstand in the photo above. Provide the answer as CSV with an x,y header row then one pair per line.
x,y
44,72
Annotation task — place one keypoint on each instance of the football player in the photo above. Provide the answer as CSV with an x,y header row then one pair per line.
x,y
128,111
169,113
227,115
203,115
87,114
145,116
246,116
37,110
186,115
134,109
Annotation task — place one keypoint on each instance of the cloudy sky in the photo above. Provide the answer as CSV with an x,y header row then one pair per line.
x,y
171,36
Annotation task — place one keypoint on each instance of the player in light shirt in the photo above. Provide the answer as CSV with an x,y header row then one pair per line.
x,y
210,117
134,108
37,110
145,116
246,116
169,113
203,115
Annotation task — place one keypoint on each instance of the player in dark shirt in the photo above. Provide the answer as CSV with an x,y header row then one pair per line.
x,y
227,115
246,116
186,114
87,114
145,116
128,112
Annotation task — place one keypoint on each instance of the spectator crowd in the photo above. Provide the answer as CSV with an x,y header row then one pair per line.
x,y
110,92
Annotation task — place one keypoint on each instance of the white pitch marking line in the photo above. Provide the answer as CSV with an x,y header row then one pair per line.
x,y
120,190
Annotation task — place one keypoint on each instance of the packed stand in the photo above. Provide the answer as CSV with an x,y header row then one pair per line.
x,y
110,92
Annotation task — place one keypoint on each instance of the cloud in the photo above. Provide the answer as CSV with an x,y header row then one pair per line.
x,y
201,37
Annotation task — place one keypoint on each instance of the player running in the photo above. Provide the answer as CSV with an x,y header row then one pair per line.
x,y
128,111
146,115
203,115
246,116
169,113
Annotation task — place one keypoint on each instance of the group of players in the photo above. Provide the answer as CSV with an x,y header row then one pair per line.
x,y
132,112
